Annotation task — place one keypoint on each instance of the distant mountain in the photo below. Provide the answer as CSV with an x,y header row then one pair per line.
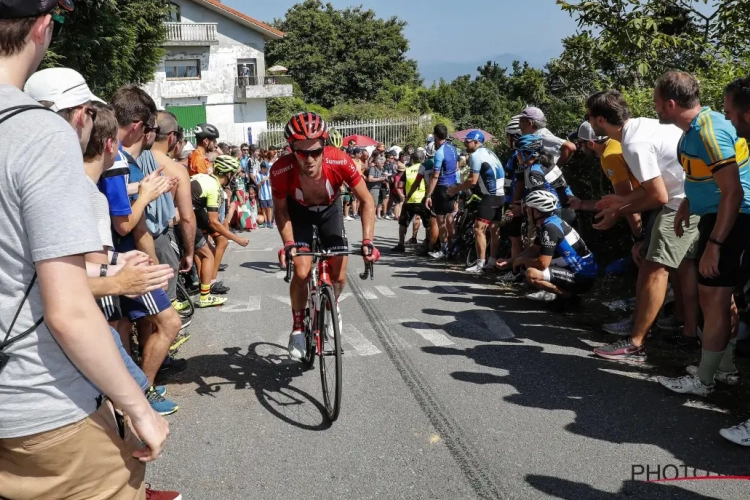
x,y
433,71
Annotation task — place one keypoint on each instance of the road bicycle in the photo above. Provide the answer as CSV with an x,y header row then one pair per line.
x,y
322,328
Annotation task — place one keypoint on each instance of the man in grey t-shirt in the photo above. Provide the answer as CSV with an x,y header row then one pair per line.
x,y
47,387
533,121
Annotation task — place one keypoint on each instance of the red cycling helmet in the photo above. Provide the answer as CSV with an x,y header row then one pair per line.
x,y
304,126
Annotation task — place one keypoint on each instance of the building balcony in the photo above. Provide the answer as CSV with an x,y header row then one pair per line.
x,y
262,87
191,34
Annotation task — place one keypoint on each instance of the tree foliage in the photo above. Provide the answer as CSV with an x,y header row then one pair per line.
x,y
111,43
340,56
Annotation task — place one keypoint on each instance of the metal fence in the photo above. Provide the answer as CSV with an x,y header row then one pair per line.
x,y
386,130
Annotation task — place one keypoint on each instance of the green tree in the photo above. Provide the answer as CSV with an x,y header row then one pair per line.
x,y
111,43
340,56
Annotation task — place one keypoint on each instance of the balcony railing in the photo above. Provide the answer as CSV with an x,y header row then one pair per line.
x,y
246,81
191,34
251,87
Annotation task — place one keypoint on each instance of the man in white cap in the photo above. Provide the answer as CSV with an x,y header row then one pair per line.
x,y
533,121
50,408
64,91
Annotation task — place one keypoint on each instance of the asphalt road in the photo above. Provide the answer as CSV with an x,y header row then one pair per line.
x,y
453,388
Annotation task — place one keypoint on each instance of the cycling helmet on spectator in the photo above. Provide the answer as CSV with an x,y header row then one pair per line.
x,y
304,126
335,138
475,135
206,131
226,164
542,200
513,127
529,146
430,150
430,138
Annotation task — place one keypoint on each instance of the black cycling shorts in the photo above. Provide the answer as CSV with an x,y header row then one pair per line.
x,y
410,210
198,243
491,209
329,221
567,280
730,254
442,204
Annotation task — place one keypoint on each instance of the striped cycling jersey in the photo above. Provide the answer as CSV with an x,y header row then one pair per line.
x,y
561,242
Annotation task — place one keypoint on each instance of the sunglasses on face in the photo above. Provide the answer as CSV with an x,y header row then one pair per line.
x,y
308,153
89,110
148,129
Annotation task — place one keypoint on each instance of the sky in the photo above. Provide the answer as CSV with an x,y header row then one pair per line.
x,y
451,31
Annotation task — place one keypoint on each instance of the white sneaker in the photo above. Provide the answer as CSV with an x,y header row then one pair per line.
x,y
739,434
475,269
297,344
542,296
621,328
510,277
348,217
437,254
688,384
728,378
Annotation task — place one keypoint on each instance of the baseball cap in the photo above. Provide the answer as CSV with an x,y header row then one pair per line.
x,y
586,133
533,113
65,88
19,9
187,150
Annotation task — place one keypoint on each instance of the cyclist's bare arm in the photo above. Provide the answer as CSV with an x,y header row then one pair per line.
x,y
281,214
367,207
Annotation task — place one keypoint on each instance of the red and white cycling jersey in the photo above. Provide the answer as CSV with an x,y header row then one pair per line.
x,y
338,168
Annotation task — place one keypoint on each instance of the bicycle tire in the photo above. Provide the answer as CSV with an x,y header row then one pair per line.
x,y
309,360
330,351
471,256
184,296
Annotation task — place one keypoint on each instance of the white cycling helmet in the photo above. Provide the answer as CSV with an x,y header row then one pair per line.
x,y
430,138
430,150
542,200
513,127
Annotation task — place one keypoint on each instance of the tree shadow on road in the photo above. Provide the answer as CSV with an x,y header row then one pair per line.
x,y
612,402
265,369
570,490
263,267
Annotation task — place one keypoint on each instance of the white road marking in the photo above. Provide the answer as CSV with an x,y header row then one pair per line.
x,y
418,291
267,249
450,289
369,294
556,327
432,336
253,304
495,324
343,296
283,298
354,337
387,292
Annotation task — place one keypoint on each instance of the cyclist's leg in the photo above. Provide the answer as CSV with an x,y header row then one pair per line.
x,y
221,246
485,215
553,279
495,230
332,236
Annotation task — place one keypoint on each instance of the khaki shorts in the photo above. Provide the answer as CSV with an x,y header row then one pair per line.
x,y
85,460
664,247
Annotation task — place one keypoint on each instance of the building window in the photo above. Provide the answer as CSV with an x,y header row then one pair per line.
x,y
173,13
247,72
183,69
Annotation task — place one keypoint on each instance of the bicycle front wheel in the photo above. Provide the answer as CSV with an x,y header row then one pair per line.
x,y
184,296
330,361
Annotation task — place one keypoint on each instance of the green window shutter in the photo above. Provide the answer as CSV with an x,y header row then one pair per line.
x,y
188,117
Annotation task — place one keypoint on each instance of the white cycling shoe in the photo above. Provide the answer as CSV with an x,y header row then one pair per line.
x,y
297,344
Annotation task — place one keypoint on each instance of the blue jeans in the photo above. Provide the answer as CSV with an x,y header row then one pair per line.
x,y
134,369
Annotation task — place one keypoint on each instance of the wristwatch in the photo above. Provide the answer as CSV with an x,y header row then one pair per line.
x,y
103,270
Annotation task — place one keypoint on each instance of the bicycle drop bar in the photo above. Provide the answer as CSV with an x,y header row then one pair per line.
x,y
369,266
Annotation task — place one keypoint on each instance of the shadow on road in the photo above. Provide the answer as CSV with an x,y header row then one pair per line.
x,y
265,369
570,490
263,267
612,402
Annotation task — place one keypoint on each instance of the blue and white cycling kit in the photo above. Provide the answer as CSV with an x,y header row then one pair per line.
x,y
488,167
446,162
573,267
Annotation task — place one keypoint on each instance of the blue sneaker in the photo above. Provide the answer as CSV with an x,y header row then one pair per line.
x,y
161,390
159,403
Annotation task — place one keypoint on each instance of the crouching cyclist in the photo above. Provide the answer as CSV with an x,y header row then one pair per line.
x,y
558,263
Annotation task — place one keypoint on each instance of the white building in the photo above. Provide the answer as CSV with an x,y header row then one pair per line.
x,y
214,70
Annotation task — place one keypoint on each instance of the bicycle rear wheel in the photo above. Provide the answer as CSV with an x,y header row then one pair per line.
x,y
184,296
330,353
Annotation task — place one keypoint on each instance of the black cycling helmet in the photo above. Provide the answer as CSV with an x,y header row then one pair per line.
x,y
206,131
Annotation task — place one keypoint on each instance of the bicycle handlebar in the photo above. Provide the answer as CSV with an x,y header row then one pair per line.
x,y
369,266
